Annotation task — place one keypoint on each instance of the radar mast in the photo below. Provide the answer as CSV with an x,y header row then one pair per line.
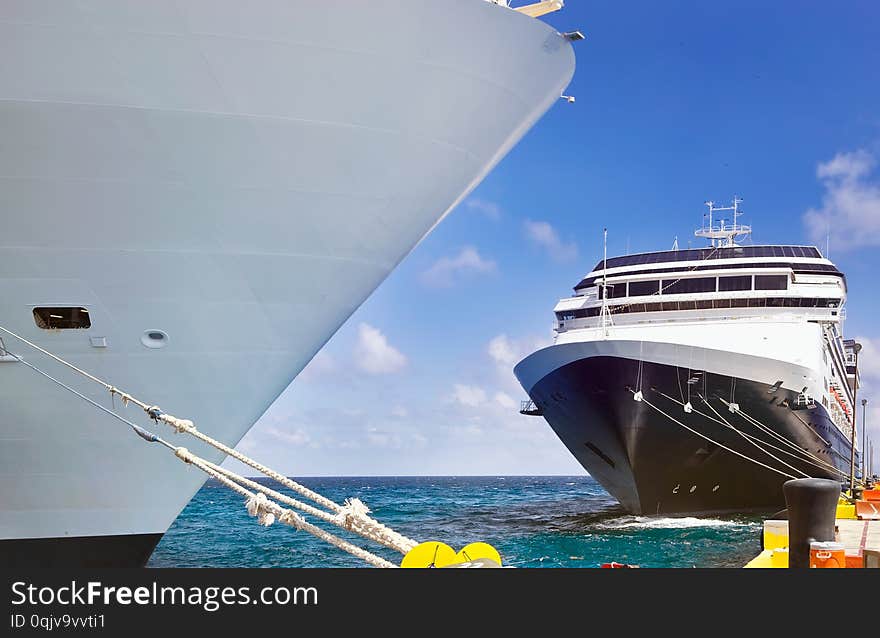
x,y
722,234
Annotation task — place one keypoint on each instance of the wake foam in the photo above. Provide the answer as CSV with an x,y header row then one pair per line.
x,y
655,522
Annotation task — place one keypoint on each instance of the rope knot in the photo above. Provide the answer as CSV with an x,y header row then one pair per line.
x,y
293,519
179,425
154,412
258,505
183,454
353,510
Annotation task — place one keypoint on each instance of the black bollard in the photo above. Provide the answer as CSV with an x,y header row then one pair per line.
x,y
812,510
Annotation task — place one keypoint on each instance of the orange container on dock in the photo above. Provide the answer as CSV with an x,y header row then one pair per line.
x,y
827,554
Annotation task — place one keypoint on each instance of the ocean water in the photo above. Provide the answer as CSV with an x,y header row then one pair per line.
x,y
532,521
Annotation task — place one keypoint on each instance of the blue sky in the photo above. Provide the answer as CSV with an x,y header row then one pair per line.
x,y
676,103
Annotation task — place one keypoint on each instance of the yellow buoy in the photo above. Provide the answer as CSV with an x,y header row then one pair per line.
x,y
429,554
475,551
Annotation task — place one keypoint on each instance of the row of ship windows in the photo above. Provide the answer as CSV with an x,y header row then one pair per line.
x,y
694,285
798,268
703,304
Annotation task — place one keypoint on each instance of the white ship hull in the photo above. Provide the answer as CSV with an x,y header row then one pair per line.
x,y
240,176
763,349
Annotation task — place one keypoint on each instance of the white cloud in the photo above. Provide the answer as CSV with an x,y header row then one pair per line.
x,y
447,270
469,395
869,360
395,440
429,442
297,437
506,353
487,208
321,364
399,411
502,350
544,235
851,203
505,401
374,355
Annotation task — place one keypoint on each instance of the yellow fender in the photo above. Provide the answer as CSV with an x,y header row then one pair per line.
x,y
429,554
437,554
475,551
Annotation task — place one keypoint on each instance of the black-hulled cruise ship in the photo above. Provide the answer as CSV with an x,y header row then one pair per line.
x,y
700,380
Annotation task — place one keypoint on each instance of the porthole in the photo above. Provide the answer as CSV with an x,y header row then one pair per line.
x,y
154,338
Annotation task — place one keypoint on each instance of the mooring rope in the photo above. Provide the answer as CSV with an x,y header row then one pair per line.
x,y
365,525
352,515
749,439
710,440
267,512
758,424
803,455
349,518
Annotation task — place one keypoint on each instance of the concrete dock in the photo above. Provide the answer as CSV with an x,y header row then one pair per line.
x,y
860,539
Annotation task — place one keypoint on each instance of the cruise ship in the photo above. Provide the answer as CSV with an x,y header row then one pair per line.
x,y
700,380
195,195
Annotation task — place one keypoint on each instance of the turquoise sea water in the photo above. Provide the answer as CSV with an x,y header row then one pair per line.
x,y
533,522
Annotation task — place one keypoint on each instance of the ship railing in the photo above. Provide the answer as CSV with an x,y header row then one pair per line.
x,y
529,408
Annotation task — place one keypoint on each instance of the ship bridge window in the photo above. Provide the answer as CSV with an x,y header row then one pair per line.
x,y
644,288
686,286
614,290
569,315
798,268
771,282
67,318
729,284
702,254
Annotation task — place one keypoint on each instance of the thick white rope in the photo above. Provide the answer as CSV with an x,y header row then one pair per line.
x,y
353,515
267,512
721,445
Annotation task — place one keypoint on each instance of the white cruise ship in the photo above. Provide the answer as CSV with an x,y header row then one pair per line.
x,y
195,195
699,380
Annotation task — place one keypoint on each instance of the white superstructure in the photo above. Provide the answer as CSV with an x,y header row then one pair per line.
x,y
741,311
727,323
219,185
